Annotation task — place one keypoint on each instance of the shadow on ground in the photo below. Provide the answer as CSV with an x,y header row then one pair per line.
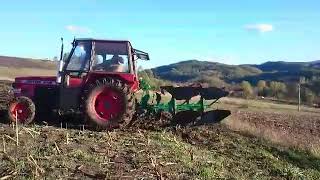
x,y
303,160
149,122
67,121
194,118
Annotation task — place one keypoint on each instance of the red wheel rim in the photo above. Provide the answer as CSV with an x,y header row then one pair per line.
x,y
108,104
21,110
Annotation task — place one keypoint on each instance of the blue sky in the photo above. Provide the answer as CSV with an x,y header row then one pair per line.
x,y
227,31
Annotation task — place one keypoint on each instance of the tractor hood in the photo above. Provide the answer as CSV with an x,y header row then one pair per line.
x,y
36,80
26,86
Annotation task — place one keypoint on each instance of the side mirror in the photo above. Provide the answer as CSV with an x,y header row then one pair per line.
x,y
141,55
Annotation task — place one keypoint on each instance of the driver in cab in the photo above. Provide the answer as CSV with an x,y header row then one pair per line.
x,y
115,64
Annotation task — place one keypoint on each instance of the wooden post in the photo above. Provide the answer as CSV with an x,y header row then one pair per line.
x,y
17,129
4,144
299,90
67,138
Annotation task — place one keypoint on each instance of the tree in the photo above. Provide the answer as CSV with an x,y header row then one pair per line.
x,y
149,77
308,96
247,89
302,80
55,58
273,88
315,87
277,89
65,56
292,91
212,81
261,87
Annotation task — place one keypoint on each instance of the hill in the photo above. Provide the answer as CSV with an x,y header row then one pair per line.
x,y
204,71
17,62
194,70
213,73
282,66
11,67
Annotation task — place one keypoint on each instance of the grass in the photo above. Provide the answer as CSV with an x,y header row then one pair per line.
x,y
195,153
265,105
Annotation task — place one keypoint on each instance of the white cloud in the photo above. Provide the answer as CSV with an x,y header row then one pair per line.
x,y
260,27
78,29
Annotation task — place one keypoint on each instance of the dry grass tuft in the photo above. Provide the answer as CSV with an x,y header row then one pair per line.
x,y
276,133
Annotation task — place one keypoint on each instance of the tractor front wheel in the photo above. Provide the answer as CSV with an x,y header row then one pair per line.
x,y
21,109
110,103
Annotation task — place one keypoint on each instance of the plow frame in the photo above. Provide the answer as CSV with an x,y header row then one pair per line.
x,y
172,106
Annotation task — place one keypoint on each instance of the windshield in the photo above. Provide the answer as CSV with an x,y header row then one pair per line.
x,y
111,57
79,60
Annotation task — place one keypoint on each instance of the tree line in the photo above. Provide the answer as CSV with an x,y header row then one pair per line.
x,y
278,90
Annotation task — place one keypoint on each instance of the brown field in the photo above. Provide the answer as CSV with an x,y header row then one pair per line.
x,y
11,67
258,141
291,129
16,62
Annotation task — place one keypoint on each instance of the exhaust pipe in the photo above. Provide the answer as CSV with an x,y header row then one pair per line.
x,y
60,65
59,75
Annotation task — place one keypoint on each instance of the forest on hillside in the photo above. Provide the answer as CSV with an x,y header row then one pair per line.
x,y
278,80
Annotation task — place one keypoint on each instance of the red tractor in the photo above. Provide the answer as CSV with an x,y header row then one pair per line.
x,y
97,78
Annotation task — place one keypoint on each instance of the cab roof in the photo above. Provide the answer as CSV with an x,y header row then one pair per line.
x,y
102,40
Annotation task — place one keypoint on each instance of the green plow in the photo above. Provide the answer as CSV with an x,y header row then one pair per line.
x,y
182,104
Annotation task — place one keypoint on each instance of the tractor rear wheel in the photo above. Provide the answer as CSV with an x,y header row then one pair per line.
x,y
110,104
21,109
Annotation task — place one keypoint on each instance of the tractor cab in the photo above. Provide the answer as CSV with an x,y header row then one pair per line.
x,y
91,60
109,56
92,56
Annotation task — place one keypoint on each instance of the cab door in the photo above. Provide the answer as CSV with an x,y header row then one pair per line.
x,y
75,71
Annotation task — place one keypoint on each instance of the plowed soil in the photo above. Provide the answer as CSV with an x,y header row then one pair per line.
x,y
249,144
298,129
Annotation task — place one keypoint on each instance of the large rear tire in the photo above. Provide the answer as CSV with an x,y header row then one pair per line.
x,y
110,104
21,109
